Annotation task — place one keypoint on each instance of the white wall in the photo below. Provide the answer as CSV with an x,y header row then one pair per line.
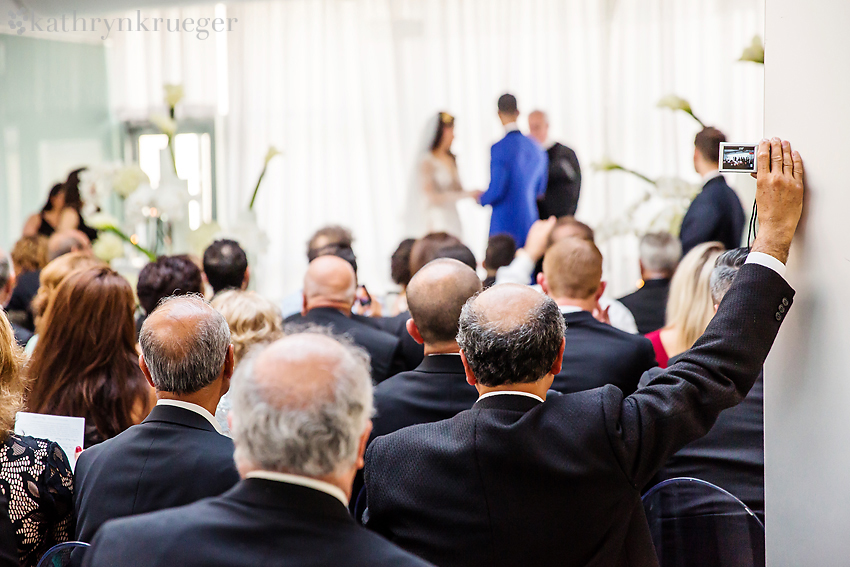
x,y
807,388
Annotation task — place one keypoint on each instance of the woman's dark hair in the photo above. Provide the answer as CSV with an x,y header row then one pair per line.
x,y
400,263
71,189
54,191
85,363
444,120
169,275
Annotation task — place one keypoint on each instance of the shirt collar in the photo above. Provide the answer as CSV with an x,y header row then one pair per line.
x,y
308,482
445,354
511,127
510,392
548,144
195,408
710,175
569,309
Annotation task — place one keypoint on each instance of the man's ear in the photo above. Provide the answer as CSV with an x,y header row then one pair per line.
x,y
541,281
227,370
559,361
303,305
364,441
601,291
144,366
247,279
413,331
470,377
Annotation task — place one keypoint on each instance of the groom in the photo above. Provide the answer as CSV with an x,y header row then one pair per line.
x,y
518,175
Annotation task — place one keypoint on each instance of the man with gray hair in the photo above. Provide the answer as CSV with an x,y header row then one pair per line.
x,y
178,454
520,479
7,287
660,253
300,421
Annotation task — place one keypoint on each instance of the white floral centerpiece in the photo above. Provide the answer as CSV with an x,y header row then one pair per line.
x,y
754,53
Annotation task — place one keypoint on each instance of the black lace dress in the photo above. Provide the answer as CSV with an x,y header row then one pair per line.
x,y
37,482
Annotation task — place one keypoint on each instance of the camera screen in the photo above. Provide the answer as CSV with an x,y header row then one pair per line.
x,y
738,158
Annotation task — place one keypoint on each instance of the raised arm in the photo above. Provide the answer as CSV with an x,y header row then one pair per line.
x,y
683,402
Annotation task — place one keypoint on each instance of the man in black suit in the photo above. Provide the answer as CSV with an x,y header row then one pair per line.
x,y
522,480
660,253
597,354
330,286
716,213
178,454
731,455
564,185
300,422
7,287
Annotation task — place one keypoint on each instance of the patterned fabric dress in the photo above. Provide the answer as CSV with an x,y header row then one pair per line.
x,y
36,479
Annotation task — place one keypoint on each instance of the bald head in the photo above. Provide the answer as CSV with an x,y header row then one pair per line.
x,y
510,334
185,344
436,295
301,406
538,126
65,242
329,281
573,269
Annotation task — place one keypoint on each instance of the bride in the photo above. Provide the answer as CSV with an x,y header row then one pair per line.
x,y
436,185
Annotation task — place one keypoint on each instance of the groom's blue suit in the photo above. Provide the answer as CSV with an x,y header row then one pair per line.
x,y
518,175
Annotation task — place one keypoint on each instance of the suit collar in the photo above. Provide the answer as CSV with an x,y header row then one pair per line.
x,y
658,282
710,176
328,313
508,402
441,364
578,317
270,494
179,416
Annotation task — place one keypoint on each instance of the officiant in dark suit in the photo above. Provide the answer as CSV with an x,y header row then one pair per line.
x,y
492,485
564,180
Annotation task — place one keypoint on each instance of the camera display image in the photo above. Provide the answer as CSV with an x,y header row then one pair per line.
x,y
738,158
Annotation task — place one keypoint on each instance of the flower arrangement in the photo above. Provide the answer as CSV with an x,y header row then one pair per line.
x,y
173,94
675,103
271,153
754,52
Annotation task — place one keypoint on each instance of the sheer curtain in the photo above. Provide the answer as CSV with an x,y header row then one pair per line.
x,y
344,88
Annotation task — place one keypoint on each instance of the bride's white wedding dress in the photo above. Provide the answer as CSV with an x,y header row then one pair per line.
x,y
432,202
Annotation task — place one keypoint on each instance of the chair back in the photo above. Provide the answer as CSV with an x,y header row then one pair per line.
x,y
60,555
694,523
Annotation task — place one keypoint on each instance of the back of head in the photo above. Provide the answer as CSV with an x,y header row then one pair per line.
x,y
57,270
501,249
660,252
65,242
300,406
436,295
708,142
507,105
72,190
225,265
252,318
29,254
85,363
510,334
459,252
428,248
184,343
169,275
7,273
400,262
725,269
689,306
12,384
569,227
573,269
326,236
330,279
338,250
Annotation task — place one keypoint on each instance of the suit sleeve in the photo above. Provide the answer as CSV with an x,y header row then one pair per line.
x,y
699,222
681,403
498,178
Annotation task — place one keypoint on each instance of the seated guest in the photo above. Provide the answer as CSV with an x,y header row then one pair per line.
x,y
226,266
85,363
29,256
689,307
169,275
500,252
65,242
659,255
62,211
35,473
731,456
253,320
8,539
301,409
178,454
329,291
7,287
524,480
400,274
597,354
428,248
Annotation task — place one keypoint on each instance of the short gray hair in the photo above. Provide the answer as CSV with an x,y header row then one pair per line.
x,y
725,269
184,367
660,252
5,269
521,354
315,436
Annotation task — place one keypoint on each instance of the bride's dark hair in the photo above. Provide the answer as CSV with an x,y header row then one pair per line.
x,y
444,120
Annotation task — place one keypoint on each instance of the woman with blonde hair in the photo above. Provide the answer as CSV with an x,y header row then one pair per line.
x,y
35,474
689,305
253,320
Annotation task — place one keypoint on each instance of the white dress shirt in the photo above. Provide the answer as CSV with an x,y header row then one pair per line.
x,y
308,482
511,127
510,393
710,175
192,407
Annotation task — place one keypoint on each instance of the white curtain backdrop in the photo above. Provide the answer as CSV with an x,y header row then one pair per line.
x,y
344,88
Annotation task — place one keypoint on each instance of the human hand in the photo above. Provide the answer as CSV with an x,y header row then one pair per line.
x,y
538,238
601,315
779,197
476,194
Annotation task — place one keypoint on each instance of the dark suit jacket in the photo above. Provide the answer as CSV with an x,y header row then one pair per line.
x,y
174,457
383,348
564,186
257,523
22,336
598,354
517,482
715,214
412,352
649,305
21,301
731,455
